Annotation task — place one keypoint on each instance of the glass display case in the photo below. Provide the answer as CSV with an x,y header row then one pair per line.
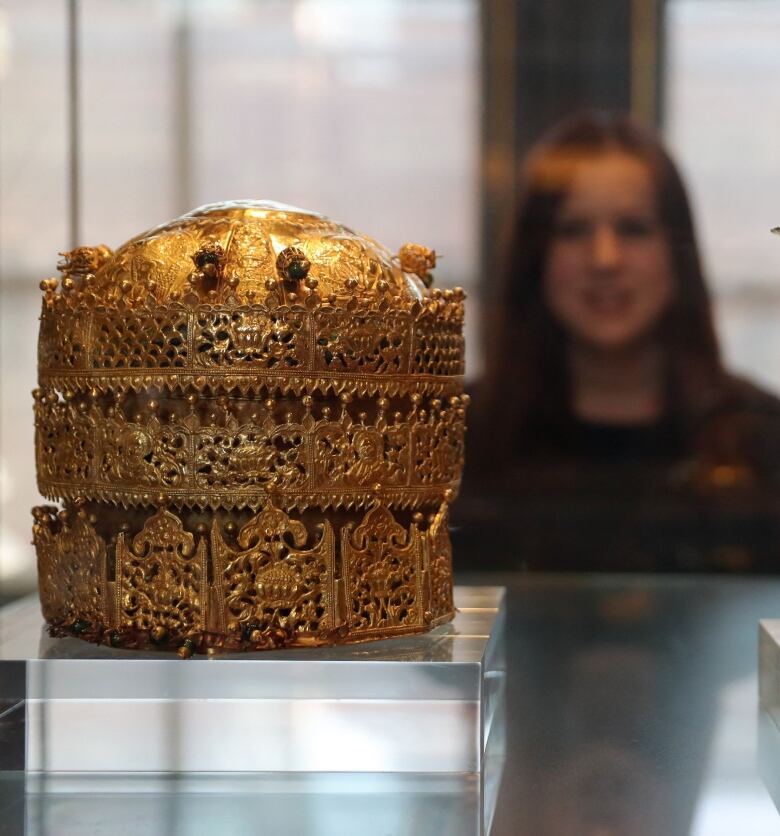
x,y
631,706
577,702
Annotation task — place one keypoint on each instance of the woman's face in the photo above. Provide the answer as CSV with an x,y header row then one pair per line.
x,y
608,277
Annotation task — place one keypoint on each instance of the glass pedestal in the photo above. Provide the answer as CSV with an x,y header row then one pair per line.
x,y
769,698
362,727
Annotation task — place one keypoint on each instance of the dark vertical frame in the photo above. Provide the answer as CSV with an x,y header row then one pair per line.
x,y
544,60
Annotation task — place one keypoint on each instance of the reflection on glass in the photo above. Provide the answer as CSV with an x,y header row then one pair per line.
x,y
721,121
366,112
605,400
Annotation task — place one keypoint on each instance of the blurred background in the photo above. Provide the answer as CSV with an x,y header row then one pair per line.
x,y
404,119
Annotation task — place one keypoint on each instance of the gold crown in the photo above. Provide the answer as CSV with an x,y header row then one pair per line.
x,y
255,419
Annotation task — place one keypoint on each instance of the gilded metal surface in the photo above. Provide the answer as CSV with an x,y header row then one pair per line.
x,y
161,580
383,568
283,580
314,345
270,581
71,566
440,564
414,258
249,358
222,452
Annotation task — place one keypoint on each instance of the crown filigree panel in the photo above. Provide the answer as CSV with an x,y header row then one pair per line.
x,y
85,448
439,349
440,564
64,343
274,583
251,458
376,343
145,455
252,337
162,579
382,563
71,567
311,339
349,455
270,585
156,339
438,443
65,444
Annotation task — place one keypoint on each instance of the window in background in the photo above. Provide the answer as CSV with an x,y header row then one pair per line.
x,y
723,125
366,111
33,226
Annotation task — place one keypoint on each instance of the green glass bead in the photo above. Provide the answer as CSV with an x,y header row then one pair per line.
x,y
297,270
248,630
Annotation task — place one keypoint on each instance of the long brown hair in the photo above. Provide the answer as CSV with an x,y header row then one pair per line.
x,y
526,383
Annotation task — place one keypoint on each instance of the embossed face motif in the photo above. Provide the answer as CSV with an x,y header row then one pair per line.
x,y
368,445
609,278
135,443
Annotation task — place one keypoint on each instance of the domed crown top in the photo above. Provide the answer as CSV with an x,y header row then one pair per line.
x,y
245,249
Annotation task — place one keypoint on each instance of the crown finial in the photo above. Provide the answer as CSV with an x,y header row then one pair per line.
x,y
417,259
209,263
83,260
292,265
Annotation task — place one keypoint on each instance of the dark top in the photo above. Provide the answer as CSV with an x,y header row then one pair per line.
x,y
589,496
615,443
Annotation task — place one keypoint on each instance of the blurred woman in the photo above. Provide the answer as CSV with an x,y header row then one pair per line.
x,y
604,379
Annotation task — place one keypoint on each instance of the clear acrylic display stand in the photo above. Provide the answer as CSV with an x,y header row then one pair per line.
x,y
769,697
416,715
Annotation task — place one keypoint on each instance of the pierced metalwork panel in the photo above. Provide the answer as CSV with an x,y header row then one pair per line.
x,y
250,358
253,337
161,579
271,588
142,338
382,566
440,564
71,567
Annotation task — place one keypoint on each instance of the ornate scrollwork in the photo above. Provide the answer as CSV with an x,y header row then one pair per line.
x,y
248,449
255,337
440,564
71,567
270,581
382,566
146,455
376,343
161,579
168,340
356,455
274,583
438,444
249,457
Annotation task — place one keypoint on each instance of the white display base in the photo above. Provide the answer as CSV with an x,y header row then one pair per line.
x,y
421,704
